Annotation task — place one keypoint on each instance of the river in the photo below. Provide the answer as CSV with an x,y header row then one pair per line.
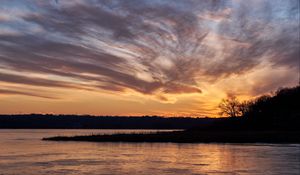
x,y
22,152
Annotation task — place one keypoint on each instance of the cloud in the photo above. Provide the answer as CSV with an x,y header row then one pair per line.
x,y
14,92
151,47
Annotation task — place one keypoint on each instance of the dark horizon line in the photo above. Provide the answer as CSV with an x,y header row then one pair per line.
x,y
92,115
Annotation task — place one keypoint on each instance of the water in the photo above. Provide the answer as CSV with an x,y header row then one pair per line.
x,y
23,152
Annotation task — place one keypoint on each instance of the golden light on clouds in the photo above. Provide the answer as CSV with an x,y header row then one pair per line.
x,y
171,58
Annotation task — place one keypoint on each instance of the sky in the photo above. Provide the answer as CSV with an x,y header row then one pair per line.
x,y
144,57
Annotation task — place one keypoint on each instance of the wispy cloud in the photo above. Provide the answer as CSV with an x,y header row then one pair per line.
x,y
151,47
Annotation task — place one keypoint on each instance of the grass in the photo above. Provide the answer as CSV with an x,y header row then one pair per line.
x,y
192,137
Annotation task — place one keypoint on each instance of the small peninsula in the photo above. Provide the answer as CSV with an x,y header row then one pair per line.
x,y
267,119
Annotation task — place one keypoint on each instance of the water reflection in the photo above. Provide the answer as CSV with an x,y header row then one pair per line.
x,y
22,152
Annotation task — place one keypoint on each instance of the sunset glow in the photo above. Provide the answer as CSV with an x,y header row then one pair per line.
x,y
168,58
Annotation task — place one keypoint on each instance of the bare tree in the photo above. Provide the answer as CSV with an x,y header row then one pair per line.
x,y
230,107
245,107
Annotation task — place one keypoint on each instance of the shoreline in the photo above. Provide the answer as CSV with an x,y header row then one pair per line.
x,y
191,137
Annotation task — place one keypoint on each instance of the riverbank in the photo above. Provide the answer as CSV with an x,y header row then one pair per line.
x,y
192,137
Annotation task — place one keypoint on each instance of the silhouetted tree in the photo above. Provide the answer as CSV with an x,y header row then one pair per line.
x,y
230,107
261,107
279,111
245,107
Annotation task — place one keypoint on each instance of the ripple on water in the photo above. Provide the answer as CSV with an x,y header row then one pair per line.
x,y
32,156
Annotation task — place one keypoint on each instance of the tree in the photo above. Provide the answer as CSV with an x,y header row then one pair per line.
x,y
245,107
230,107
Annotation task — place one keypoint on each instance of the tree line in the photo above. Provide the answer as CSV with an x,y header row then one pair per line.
x,y
283,104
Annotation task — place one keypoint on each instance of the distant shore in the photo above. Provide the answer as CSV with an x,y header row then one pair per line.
x,y
192,137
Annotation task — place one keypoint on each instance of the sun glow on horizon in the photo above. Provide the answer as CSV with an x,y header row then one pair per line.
x,y
171,58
